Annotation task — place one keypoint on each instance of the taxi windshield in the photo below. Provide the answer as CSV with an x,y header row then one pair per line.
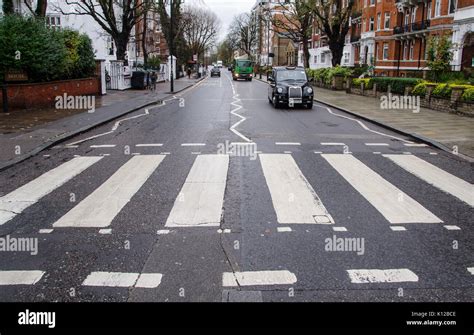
x,y
291,75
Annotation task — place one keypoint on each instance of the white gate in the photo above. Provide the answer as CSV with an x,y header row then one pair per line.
x,y
119,79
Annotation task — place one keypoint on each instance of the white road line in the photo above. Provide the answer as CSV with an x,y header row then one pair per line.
x,y
46,231
377,144
377,153
407,153
433,175
433,153
398,228
415,145
163,232
287,143
103,146
331,143
102,205
18,200
339,228
452,227
391,202
318,152
382,276
294,199
122,279
146,145
258,278
363,125
287,152
20,277
284,229
193,144
471,270
200,201
105,231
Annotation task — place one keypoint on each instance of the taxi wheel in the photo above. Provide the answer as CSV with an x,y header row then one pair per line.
x,y
275,102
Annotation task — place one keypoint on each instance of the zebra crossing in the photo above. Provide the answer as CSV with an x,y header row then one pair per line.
x,y
201,197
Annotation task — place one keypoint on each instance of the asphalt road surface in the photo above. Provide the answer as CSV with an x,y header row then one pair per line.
x,y
216,196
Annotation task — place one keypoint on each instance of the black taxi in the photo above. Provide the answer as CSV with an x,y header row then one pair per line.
x,y
289,86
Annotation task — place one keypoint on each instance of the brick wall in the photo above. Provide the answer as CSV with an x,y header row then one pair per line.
x,y
23,96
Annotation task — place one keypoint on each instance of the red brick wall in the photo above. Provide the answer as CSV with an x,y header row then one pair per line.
x,y
23,96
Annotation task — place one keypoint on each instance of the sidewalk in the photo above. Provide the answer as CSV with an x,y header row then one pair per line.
x,y
443,130
24,133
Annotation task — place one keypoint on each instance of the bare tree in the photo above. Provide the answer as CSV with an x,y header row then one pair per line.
x,y
41,6
333,17
243,33
295,20
116,17
200,29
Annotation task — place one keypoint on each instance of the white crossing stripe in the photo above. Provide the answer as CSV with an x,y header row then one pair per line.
x,y
391,202
339,228
382,276
17,201
331,143
398,228
122,279
20,277
284,229
193,144
452,227
294,200
145,145
287,143
257,278
471,270
103,146
102,205
415,145
377,144
202,196
435,176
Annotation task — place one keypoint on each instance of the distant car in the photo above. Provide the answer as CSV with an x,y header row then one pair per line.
x,y
215,72
289,86
229,68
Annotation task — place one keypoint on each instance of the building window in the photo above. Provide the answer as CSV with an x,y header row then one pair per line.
x,y
386,24
385,51
346,57
364,26
323,58
372,2
407,17
452,6
412,47
53,22
379,15
315,59
413,14
437,8
371,24
405,50
428,11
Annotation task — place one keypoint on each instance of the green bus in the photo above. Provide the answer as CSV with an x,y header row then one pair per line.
x,y
242,69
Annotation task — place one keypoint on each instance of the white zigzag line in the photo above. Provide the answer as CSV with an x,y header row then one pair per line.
x,y
242,118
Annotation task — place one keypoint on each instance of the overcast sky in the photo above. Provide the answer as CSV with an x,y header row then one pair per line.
x,y
226,9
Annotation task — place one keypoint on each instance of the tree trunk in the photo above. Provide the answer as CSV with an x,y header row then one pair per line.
x,y
336,50
305,53
41,7
122,44
145,53
8,7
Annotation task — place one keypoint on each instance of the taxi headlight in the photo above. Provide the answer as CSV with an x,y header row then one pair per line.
x,y
309,90
280,90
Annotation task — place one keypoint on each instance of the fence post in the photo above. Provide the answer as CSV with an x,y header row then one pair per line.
x,y
5,98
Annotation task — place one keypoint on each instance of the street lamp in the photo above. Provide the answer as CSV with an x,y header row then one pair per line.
x,y
171,47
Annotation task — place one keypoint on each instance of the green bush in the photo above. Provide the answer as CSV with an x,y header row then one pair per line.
x,y
442,91
420,89
337,70
468,94
454,77
356,82
397,84
45,54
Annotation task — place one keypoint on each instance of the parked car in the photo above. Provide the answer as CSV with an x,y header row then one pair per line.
x,y
289,86
215,72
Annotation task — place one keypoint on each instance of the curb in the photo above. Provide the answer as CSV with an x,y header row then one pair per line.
x,y
421,138
66,136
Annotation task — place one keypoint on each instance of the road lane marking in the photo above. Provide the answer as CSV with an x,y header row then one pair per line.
x,y
103,146
101,206
163,232
415,145
123,279
20,277
18,200
193,144
377,144
45,231
284,229
331,143
339,228
200,201
382,276
398,228
391,202
437,177
294,199
452,227
258,278
287,143
146,145
471,270
105,231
